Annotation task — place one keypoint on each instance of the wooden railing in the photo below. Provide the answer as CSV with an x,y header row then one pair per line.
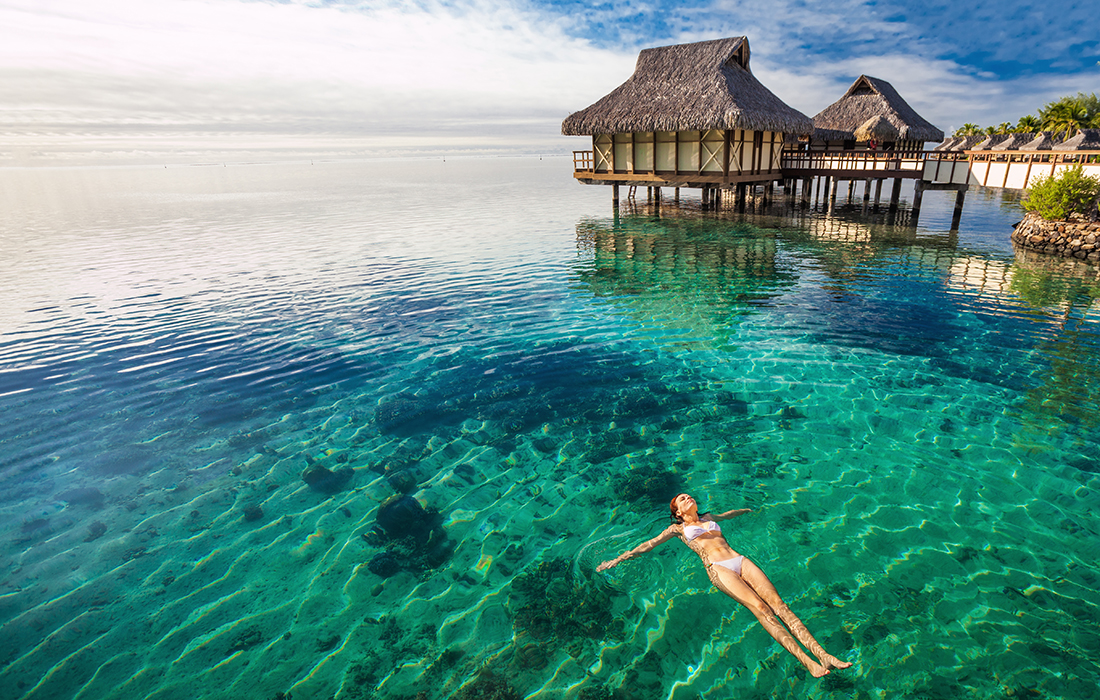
x,y
859,160
1055,157
582,161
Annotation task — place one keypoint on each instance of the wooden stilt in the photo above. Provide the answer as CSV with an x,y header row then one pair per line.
x,y
676,195
866,194
895,193
832,194
806,187
960,197
615,196
918,195
878,191
851,189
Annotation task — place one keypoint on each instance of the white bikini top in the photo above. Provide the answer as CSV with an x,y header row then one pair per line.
x,y
693,531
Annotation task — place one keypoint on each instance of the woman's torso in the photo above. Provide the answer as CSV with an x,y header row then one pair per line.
x,y
709,544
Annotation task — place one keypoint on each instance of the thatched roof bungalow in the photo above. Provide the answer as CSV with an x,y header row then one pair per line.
x,y
966,143
947,143
1014,142
691,114
1043,141
867,98
1085,140
989,142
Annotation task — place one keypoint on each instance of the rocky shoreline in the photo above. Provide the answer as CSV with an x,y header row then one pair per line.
x,y
1070,239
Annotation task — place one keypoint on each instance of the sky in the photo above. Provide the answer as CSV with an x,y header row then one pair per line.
x,y
193,80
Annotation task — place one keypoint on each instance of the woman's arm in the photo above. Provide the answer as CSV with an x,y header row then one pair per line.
x,y
730,514
670,532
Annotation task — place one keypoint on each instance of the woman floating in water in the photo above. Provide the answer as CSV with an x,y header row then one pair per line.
x,y
738,578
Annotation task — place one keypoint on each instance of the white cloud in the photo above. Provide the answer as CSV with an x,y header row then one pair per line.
x,y
218,66
114,75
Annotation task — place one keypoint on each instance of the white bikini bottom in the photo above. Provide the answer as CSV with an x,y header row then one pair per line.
x,y
733,565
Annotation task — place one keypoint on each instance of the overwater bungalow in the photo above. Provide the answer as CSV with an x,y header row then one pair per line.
x,y
1085,140
691,115
948,143
864,112
990,142
1043,141
966,143
1014,142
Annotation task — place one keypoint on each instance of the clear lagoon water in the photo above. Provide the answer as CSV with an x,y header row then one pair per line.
x,y
364,429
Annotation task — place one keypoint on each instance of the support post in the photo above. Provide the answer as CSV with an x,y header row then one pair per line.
x,y
676,195
960,197
615,197
832,194
918,195
806,187
851,190
878,191
866,194
895,193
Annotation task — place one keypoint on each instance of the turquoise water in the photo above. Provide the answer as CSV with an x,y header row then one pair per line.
x,y
493,383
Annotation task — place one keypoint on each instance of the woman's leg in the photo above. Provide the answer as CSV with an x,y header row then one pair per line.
x,y
732,585
763,587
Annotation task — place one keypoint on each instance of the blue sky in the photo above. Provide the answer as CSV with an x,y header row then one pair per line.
x,y
199,79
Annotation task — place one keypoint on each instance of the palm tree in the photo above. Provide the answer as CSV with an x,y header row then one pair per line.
x,y
968,129
1028,125
1004,128
1067,115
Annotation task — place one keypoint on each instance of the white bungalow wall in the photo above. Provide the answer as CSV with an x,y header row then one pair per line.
x,y
687,152
1015,172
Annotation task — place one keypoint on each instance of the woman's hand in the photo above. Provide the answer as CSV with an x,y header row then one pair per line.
x,y
608,564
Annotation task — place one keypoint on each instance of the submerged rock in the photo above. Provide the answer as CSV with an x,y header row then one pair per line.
x,y
327,481
403,516
385,564
88,497
413,537
95,531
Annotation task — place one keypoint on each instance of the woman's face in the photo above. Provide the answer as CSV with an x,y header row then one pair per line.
x,y
685,504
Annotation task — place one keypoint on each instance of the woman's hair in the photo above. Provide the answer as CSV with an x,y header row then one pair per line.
x,y
672,510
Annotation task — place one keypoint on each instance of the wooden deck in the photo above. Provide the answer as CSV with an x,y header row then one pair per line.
x,y
855,165
843,165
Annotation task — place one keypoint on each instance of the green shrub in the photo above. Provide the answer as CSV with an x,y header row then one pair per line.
x,y
1055,198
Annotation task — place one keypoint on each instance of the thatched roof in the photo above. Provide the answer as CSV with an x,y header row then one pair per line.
x,y
866,98
1014,142
1085,140
991,141
1044,141
688,87
877,127
947,143
967,143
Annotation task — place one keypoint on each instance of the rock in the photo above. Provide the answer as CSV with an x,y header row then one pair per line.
x,y
327,481
95,531
253,513
385,564
87,497
403,516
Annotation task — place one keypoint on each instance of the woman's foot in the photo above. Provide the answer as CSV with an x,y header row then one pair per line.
x,y
816,670
829,662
